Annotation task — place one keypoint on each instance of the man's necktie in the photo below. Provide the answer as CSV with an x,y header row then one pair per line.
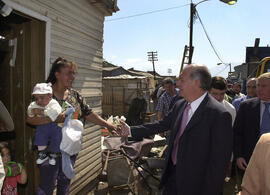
x,y
265,124
179,133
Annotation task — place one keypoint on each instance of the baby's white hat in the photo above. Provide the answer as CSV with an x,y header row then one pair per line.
x,y
42,88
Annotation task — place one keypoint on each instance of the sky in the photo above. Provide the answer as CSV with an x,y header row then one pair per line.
x,y
230,28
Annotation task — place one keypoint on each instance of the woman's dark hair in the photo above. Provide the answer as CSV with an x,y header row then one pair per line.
x,y
56,66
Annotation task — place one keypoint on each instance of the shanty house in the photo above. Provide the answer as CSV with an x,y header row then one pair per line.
x,y
32,36
120,86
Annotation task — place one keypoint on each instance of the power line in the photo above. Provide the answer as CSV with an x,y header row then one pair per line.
x,y
147,13
204,29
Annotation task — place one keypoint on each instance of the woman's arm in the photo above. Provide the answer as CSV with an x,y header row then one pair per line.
x,y
45,120
23,178
38,120
96,119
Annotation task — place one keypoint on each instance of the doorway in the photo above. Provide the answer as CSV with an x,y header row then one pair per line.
x,y
22,65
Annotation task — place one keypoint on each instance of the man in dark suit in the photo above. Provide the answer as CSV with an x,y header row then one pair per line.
x,y
201,140
252,120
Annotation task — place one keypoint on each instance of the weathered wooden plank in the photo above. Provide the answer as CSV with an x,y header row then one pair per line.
x,y
94,161
60,28
73,52
88,84
72,42
85,160
86,179
74,13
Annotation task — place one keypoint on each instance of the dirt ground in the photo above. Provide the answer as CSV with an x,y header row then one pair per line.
x,y
229,189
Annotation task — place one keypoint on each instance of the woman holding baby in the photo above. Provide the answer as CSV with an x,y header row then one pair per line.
x,y
61,77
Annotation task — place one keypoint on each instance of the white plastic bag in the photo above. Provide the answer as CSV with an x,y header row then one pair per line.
x,y
72,137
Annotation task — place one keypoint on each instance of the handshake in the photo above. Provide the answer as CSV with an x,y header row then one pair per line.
x,y
123,129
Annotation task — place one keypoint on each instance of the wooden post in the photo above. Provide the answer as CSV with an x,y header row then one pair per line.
x,y
112,102
192,12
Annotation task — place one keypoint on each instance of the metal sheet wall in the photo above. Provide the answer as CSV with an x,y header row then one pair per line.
x,y
119,93
77,35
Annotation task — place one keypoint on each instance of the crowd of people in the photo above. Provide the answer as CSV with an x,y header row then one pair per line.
x,y
209,124
213,126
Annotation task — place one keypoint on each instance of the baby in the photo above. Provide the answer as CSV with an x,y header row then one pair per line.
x,y
45,106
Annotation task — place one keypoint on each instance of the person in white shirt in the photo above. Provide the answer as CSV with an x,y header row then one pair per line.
x,y
6,124
218,91
44,105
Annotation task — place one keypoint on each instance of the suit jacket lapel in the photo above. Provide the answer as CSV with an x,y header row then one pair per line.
x,y
257,113
178,119
197,115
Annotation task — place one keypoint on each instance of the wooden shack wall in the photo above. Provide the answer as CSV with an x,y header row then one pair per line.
x,y
118,94
77,35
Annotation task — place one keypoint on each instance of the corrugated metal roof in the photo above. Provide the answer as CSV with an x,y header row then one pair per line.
x,y
111,68
125,76
146,74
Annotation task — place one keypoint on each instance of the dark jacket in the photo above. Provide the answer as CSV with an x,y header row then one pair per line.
x,y
247,128
204,148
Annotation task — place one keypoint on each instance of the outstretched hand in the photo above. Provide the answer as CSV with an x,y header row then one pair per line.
x,y
112,128
124,129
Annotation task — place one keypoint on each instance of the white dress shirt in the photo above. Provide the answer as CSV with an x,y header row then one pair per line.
x,y
194,106
230,108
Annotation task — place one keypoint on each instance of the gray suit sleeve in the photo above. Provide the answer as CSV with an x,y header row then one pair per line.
x,y
153,128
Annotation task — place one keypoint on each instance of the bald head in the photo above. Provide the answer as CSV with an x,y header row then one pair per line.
x,y
194,81
201,73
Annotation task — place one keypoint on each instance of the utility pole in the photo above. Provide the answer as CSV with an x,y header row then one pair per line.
x,y
152,57
192,12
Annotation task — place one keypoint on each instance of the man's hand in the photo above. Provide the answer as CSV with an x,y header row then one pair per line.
x,y
124,129
241,163
162,134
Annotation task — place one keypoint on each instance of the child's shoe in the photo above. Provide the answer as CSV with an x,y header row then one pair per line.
x,y
52,158
42,157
